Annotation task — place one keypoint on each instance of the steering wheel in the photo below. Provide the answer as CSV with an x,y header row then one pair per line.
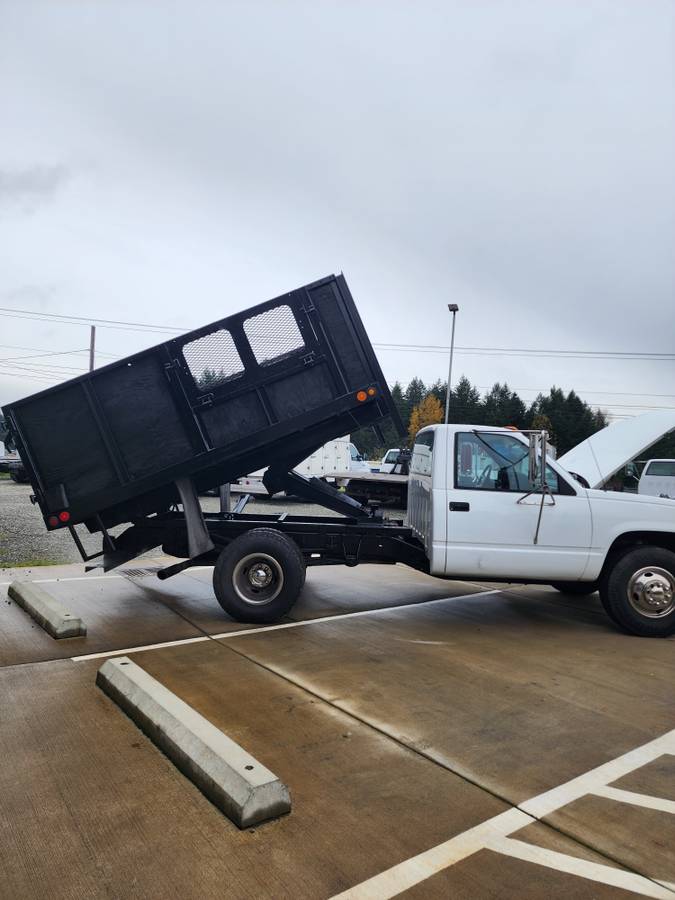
x,y
484,474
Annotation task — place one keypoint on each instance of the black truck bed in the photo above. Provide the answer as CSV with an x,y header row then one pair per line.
x,y
266,386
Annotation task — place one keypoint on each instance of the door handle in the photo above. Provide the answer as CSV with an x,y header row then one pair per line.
x,y
459,507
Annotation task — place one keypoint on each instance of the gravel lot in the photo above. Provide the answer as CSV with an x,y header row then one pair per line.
x,y
24,541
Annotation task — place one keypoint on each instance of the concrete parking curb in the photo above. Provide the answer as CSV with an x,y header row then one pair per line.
x,y
46,611
231,778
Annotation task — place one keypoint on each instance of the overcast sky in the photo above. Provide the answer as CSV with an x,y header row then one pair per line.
x,y
175,162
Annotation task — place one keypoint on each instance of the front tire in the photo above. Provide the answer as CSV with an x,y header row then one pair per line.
x,y
578,588
638,592
259,576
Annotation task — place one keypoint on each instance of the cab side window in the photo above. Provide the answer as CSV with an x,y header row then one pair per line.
x,y
495,462
422,454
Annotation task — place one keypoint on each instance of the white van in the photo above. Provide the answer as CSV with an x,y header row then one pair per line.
x,y
658,478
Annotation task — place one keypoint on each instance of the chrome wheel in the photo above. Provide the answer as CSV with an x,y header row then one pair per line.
x,y
651,592
257,579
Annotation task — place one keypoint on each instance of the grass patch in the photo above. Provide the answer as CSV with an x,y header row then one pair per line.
x,y
4,476
26,563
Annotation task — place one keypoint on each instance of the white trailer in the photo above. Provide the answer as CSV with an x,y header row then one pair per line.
x,y
336,458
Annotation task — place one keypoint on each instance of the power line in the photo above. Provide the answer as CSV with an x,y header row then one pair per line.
x,y
23,375
38,355
64,352
12,312
529,354
33,315
51,366
82,319
483,387
440,348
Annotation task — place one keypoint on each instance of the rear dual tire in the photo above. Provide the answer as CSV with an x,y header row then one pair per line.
x,y
259,576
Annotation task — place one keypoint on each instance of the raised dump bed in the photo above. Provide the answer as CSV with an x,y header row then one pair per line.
x,y
263,387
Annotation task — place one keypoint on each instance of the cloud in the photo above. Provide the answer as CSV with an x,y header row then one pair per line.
x,y
515,158
27,189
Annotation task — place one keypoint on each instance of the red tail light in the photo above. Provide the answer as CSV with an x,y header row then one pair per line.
x,y
57,519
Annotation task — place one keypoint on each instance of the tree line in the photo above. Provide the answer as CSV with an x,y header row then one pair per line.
x,y
566,417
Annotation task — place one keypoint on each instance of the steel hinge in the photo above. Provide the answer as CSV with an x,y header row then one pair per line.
x,y
170,366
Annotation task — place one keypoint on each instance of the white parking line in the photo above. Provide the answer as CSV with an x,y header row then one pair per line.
x,y
603,775
411,872
612,793
227,635
493,834
106,653
572,865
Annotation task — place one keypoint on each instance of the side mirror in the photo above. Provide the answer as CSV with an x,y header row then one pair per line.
x,y
532,459
536,469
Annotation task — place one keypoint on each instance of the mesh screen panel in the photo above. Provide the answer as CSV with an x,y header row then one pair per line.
x,y
213,359
273,334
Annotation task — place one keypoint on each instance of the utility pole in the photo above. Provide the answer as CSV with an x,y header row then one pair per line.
x,y
453,309
92,346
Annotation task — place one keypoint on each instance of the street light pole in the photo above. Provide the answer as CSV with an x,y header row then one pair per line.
x,y
453,309
92,347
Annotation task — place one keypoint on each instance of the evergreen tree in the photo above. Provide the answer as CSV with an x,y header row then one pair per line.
x,y
210,378
415,393
502,406
663,449
401,403
566,417
541,422
439,389
572,420
465,403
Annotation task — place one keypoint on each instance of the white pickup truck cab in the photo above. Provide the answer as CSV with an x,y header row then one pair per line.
x,y
658,478
472,504
389,460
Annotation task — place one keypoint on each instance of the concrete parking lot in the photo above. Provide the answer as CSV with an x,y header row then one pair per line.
x,y
438,739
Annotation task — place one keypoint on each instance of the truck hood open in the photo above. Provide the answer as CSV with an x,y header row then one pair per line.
x,y
603,454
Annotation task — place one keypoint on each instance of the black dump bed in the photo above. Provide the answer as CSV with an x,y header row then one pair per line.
x,y
265,386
